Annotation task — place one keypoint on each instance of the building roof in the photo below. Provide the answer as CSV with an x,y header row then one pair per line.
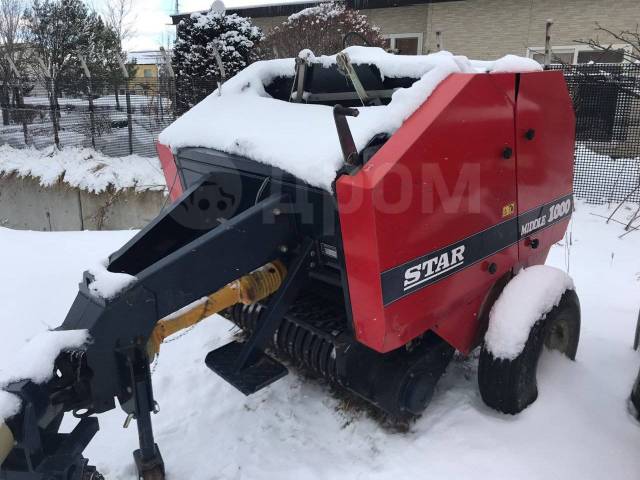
x,y
146,57
286,9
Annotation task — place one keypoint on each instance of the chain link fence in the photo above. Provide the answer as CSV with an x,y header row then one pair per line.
x,y
117,119
121,118
606,99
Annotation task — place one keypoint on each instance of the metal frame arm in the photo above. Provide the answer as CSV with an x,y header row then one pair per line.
x,y
115,363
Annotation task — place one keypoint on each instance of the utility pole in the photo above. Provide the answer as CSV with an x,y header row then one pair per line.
x,y
127,83
547,44
92,119
177,9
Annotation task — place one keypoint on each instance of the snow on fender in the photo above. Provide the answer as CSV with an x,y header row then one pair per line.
x,y
538,307
527,298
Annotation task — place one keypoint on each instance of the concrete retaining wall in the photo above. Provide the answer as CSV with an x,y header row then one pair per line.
x,y
26,205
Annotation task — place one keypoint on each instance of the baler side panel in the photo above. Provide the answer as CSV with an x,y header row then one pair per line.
x,y
545,133
358,219
170,170
441,179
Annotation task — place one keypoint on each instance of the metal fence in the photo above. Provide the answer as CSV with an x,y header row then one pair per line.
x,y
119,118
116,119
606,99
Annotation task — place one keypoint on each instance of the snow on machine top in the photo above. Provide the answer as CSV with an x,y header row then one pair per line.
x,y
243,118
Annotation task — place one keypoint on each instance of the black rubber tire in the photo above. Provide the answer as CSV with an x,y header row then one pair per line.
x,y
510,386
563,325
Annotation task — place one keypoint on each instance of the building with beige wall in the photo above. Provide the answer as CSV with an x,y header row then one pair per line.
x,y
482,28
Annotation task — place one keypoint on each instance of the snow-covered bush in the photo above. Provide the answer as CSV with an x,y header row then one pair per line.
x,y
321,29
194,61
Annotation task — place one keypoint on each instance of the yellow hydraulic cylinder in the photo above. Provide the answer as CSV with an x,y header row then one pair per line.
x,y
6,442
248,289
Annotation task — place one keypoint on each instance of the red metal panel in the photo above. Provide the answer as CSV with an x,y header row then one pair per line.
x,y
168,163
439,179
544,157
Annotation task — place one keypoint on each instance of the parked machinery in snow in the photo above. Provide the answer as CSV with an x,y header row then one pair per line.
x,y
372,283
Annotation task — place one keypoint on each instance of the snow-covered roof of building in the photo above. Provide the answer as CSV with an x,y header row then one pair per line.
x,y
299,138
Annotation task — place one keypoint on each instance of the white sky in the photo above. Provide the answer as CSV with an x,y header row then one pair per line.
x,y
152,23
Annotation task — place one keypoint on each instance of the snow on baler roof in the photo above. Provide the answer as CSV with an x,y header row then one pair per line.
x,y
300,138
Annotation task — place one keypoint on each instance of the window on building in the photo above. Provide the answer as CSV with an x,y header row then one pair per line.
x,y
148,73
579,54
601,56
404,43
557,56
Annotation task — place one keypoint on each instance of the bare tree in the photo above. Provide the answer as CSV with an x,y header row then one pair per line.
x,y
626,37
11,12
118,15
58,31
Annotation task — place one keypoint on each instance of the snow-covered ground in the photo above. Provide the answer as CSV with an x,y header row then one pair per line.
x,y
579,428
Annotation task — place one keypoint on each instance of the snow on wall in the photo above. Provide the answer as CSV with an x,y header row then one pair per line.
x,y
83,168
528,297
299,138
35,362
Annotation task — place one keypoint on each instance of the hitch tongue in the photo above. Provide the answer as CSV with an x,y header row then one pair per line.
x,y
6,442
248,289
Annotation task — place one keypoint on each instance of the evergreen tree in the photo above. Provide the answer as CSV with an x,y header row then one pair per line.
x,y
59,31
56,30
194,61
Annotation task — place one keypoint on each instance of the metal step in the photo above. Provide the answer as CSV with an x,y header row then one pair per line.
x,y
259,373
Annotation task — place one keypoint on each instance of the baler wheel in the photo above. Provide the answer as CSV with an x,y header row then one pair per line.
x,y
510,386
563,325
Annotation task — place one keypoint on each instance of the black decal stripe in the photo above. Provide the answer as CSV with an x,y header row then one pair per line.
x,y
477,247
543,212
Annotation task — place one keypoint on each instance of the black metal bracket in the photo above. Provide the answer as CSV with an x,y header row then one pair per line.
x,y
40,450
278,305
148,459
244,365
179,269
